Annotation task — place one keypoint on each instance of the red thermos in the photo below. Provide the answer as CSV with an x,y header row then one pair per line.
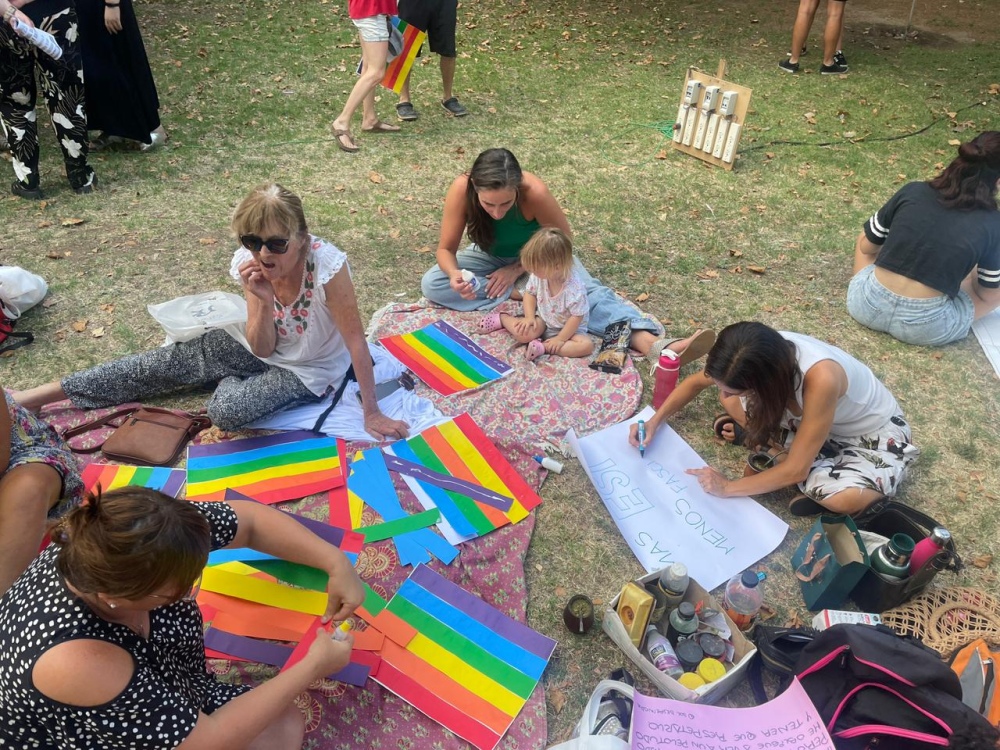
x,y
665,374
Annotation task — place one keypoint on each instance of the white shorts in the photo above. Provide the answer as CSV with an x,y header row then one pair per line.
x,y
373,28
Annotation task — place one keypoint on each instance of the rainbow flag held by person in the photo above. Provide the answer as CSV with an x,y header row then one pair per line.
x,y
457,659
397,70
445,358
113,476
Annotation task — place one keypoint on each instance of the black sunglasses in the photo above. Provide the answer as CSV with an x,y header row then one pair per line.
x,y
253,243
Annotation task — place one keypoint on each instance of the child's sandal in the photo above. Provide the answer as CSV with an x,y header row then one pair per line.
x,y
491,322
535,350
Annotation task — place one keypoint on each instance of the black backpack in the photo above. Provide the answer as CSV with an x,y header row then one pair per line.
x,y
877,690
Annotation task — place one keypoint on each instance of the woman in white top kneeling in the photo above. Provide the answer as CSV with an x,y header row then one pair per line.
x,y
303,339
830,425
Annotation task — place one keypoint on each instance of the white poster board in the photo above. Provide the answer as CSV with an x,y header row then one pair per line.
x,y
664,514
987,330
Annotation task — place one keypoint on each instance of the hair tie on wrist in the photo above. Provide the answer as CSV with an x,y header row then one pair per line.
x,y
111,5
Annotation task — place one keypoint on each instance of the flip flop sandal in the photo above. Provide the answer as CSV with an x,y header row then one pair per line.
x,y
339,133
535,350
381,127
490,323
800,505
720,423
703,340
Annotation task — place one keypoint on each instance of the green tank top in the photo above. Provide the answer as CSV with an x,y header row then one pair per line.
x,y
511,233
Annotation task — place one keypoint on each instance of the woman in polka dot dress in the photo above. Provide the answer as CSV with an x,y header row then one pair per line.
x,y
103,643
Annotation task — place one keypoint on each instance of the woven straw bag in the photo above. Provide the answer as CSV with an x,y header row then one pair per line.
x,y
948,618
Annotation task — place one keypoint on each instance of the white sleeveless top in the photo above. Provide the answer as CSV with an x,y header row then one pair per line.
x,y
309,343
864,408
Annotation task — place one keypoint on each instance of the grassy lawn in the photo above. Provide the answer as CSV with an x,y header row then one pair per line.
x,y
584,94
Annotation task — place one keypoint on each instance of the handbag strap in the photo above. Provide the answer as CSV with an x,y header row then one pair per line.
x,y
11,339
86,427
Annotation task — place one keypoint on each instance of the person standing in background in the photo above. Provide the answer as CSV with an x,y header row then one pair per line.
x,y
439,19
834,61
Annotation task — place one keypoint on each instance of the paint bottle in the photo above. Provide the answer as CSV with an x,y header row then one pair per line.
x,y
549,463
471,279
683,622
927,549
665,374
673,583
662,654
743,599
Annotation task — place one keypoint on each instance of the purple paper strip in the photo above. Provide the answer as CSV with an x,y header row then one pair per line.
x,y
238,446
330,534
476,608
174,483
472,347
274,654
448,482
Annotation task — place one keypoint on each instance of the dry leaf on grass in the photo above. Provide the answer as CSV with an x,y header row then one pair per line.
x,y
794,621
709,274
766,612
982,561
642,297
207,241
557,698
79,325
97,332
424,249
757,269
561,592
72,222
375,177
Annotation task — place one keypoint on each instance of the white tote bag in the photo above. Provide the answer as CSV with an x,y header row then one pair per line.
x,y
583,738
189,317
20,290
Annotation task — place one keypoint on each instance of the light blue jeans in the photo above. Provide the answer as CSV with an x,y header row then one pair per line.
x,y
924,322
606,307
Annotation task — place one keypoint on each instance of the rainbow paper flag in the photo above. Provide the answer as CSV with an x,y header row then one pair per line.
x,y
455,468
397,71
113,476
271,469
457,659
445,358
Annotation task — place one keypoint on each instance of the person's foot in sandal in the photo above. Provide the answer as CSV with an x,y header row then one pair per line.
x,y
406,112
728,429
693,347
379,127
490,323
345,141
802,505
454,107
535,350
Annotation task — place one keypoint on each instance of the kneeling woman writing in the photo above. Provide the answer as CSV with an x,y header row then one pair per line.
x,y
832,426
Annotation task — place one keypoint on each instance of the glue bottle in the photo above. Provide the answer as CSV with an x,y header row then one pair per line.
x,y
665,374
471,279
662,654
41,39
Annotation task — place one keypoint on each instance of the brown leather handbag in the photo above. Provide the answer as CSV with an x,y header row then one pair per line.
x,y
145,436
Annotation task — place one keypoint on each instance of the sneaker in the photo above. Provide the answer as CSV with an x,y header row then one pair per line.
x,y
89,187
21,191
406,112
832,70
454,107
840,59
788,66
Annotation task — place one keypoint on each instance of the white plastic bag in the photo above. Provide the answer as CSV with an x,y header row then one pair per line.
x,y
187,318
20,290
583,739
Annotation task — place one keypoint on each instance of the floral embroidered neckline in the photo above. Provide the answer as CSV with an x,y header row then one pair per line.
x,y
293,319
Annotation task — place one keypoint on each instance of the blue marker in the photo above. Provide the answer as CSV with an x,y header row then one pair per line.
x,y
642,439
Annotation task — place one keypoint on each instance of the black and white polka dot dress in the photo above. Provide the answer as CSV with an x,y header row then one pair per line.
x,y
160,705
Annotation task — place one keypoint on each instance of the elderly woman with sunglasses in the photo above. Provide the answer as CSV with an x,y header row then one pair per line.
x,y
302,341
103,643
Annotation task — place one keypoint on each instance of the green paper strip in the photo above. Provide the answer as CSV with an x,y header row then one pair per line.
x,y
373,602
465,504
466,650
449,356
286,458
303,576
389,529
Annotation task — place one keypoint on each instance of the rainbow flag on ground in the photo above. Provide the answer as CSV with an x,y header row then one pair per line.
x,y
455,468
113,476
445,358
397,71
270,469
459,660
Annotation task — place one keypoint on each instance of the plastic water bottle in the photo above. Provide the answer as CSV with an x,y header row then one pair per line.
x,y
665,374
41,39
743,599
471,278
662,654
674,584
928,548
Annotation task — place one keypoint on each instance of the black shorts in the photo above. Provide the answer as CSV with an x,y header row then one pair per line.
x,y
438,18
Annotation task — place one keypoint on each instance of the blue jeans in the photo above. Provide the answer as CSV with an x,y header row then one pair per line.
x,y
924,322
606,307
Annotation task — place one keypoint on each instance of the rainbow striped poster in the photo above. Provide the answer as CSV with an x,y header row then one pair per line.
x,y
457,659
397,70
455,468
445,358
271,469
113,476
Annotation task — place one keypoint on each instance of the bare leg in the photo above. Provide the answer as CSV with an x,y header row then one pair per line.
x,y
285,733
851,501
27,492
803,22
537,329
35,398
404,92
447,77
373,56
641,341
578,346
834,29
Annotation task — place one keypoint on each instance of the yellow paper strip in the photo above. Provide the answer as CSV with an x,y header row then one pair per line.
x,y
263,592
356,506
480,467
122,477
198,489
439,362
470,678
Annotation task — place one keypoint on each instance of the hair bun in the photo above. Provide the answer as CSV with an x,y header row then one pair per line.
x,y
972,152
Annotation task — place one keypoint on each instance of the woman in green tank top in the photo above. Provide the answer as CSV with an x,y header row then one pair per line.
x,y
501,207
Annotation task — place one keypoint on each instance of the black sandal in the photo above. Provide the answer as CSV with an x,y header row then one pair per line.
x,y
739,434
